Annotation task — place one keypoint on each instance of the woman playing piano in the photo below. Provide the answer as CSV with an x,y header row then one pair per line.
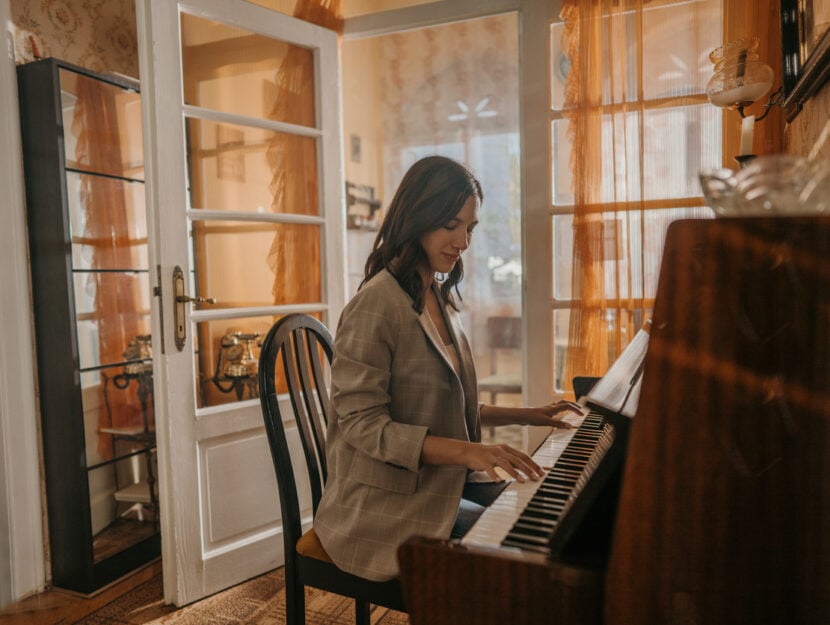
x,y
407,426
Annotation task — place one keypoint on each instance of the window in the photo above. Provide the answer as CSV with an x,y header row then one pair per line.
x,y
653,130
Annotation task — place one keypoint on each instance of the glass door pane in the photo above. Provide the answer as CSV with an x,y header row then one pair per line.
x,y
253,194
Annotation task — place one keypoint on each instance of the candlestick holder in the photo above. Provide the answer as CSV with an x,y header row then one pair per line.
x,y
745,159
739,80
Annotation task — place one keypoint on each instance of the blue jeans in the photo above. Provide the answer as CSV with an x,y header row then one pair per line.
x,y
468,513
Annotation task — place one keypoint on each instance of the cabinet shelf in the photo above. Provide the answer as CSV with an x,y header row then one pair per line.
x,y
127,432
88,172
135,493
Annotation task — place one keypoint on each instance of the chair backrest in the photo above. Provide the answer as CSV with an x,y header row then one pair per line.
x,y
292,352
503,333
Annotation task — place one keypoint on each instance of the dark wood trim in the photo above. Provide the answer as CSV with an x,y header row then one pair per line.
x,y
801,78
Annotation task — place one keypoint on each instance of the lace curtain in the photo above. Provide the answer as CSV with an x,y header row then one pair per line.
x,y
288,155
640,129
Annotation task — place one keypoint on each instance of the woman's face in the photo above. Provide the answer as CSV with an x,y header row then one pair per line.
x,y
443,246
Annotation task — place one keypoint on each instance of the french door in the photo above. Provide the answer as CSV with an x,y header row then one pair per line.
x,y
245,189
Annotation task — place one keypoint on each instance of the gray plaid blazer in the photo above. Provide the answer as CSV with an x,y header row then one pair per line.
x,y
391,385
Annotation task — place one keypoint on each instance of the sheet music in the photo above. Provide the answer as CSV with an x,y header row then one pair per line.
x,y
619,389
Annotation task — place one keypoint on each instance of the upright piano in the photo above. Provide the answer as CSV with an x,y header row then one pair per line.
x,y
712,504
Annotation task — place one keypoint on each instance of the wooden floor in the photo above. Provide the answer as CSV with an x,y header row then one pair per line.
x,y
63,607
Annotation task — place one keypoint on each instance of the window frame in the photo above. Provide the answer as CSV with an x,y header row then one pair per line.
x,y
643,104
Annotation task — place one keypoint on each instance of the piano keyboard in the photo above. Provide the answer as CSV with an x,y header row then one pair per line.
x,y
525,515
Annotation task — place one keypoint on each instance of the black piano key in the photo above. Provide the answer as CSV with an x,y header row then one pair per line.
x,y
543,525
543,512
556,498
543,549
537,535
532,538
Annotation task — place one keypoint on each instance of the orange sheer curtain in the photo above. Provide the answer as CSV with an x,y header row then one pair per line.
x,y
584,108
117,314
296,247
635,105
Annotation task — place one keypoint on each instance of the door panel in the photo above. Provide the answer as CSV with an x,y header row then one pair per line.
x,y
246,188
236,509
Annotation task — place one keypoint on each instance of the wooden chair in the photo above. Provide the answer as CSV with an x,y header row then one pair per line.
x,y
503,333
295,346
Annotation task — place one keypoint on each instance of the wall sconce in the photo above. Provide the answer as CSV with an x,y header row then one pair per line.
x,y
739,80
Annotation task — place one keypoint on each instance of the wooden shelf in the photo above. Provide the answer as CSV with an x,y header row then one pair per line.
x,y
134,493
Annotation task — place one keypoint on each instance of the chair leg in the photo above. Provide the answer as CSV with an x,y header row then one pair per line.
x,y
294,601
491,429
362,612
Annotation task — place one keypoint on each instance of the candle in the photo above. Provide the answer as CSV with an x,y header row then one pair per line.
x,y
747,131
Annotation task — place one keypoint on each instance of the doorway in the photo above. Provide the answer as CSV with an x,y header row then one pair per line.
x,y
451,90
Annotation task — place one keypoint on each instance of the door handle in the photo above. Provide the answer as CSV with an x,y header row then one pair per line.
x,y
178,309
183,299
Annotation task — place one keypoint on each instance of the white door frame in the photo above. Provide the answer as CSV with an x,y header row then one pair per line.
x,y
22,566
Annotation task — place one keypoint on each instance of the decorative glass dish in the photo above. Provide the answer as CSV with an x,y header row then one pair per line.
x,y
780,185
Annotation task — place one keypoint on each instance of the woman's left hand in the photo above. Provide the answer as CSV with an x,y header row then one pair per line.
x,y
551,415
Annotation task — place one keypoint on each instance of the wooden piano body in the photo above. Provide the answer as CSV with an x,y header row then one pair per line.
x,y
724,508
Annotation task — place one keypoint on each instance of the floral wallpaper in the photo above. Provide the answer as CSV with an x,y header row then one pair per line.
x,y
99,35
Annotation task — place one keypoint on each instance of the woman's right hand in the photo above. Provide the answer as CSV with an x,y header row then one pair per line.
x,y
480,457
487,458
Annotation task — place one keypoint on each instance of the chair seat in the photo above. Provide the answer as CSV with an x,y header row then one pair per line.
x,y
310,546
501,383
315,568
387,594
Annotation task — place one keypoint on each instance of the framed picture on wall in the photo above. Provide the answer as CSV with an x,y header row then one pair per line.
x,y
805,45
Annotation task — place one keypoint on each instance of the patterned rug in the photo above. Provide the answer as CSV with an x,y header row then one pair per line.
x,y
260,601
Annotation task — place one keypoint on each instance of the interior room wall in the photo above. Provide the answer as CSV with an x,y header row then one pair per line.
x,y
362,140
809,133
361,118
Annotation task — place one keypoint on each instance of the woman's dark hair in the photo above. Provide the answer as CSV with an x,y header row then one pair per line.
x,y
431,193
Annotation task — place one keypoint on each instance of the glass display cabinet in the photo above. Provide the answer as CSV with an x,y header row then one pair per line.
x,y
84,170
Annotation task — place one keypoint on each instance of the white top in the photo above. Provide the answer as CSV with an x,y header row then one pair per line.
x,y
449,349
